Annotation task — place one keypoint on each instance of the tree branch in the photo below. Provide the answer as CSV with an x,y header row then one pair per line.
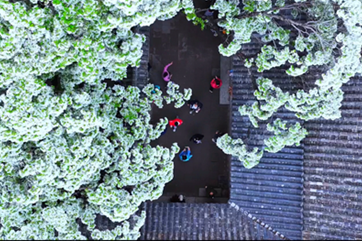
x,y
294,5
294,24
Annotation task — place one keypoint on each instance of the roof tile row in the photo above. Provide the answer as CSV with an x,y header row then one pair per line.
x,y
272,191
333,172
195,221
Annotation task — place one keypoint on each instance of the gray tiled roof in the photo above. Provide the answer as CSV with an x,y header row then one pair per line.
x,y
333,171
329,161
272,191
195,221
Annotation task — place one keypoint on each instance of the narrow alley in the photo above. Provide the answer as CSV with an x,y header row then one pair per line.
x,y
196,61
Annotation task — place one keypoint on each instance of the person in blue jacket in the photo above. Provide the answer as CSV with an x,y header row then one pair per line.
x,y
155,87
185,155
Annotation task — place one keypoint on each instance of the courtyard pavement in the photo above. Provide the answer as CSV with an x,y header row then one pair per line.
x,y
196,60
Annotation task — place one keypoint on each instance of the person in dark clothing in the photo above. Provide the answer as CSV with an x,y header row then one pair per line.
x,y
164,132
217,135
177,198
195,106
209,13
197,138
210,191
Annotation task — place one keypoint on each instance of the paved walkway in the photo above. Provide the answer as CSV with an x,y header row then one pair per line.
x,y
195,61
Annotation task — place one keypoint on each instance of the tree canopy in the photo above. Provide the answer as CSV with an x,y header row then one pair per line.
x,y
323,36
73,147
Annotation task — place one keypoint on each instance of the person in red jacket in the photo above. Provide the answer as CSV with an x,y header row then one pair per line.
x,y
175,123
215,84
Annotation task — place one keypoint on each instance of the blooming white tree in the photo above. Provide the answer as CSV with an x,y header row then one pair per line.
x,y
237,148
284,136
296,35
92,157
71,147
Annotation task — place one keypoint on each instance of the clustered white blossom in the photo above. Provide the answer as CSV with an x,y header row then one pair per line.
x,y
284,136
237,148
330,38
72,147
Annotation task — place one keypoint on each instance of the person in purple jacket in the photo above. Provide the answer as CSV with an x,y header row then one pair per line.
x,y
167,75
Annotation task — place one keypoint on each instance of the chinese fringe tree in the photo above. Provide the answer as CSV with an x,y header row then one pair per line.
x,y
297,35
71,146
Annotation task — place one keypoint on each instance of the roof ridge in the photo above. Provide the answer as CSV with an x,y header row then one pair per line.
x,y
258,221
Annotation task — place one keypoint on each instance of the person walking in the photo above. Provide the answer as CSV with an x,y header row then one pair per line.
x,y
195,106
175,123
215,83
211,191
197,138
185,155
177,198
208,13
217,135
165,74
164,131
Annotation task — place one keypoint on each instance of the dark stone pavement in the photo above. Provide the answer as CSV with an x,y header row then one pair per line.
x,y
196,60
